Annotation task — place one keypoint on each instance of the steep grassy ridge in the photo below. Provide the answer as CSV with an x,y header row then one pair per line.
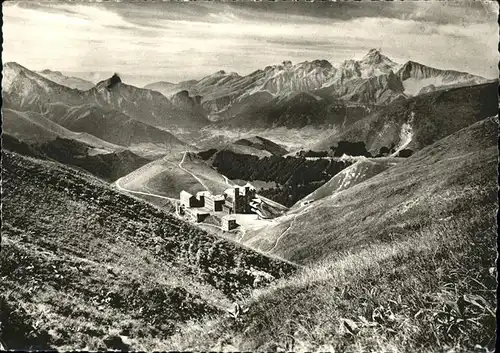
x,y
361,170
83,266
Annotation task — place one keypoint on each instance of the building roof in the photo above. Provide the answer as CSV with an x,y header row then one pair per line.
x,y
203,193
250,186
185,194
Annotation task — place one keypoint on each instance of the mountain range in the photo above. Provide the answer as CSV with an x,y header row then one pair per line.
x,y
111,111
375,79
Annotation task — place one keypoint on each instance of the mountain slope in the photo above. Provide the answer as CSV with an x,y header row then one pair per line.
x,y
33,127
446,179
420,121
144,105
363,169
117,273
298,111
417,78
101,163
263,144
71,82
26,90
373,80
168,88
97,111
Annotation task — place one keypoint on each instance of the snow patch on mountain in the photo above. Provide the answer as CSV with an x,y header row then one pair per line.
x,y
405,136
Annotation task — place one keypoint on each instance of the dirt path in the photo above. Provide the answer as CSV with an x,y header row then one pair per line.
x,y
283,234
121,188
192,174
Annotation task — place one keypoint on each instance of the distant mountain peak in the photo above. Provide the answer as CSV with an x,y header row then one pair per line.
x,y
374,52
375,57
110,83
14,66
322,63
48,71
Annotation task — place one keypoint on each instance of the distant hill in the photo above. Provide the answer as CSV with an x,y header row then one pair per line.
x,y
446,179
263,144
115,271
173,173
105,165
421,120
71,82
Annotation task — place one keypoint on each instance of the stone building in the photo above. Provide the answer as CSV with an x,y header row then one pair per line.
x,y
228,223
189,200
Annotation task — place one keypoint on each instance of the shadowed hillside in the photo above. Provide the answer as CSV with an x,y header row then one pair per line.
x,y
263,144
117,273
291,178
108,166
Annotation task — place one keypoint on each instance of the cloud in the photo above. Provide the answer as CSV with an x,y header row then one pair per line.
x,y
195,39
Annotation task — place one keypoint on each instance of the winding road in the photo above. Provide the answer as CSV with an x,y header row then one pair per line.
x,y
228,182
121,188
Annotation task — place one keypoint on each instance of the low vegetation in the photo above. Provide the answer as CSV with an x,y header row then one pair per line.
x,y
114,272
432,292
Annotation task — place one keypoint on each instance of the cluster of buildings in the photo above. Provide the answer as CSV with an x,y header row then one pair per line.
x,y
233,200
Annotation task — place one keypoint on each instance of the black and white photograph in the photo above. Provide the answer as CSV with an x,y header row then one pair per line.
x,y
238,176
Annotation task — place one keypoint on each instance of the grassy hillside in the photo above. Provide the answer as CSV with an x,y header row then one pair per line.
x,y
408,263
361,170
85,267
34,128
425,118
446,179
108,166
210,178
433,292
173,173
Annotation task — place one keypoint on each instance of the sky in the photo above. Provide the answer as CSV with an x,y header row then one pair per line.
x,y
146,42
